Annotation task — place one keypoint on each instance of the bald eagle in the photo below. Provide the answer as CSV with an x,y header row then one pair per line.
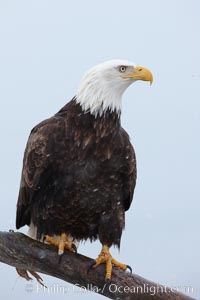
x,y
79,167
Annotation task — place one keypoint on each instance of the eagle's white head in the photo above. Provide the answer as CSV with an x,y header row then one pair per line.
x,y
102,87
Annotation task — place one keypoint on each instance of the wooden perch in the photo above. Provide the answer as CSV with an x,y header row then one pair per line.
x,y
20,251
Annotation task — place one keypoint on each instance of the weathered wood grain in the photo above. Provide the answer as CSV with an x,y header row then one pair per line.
x,y
20,251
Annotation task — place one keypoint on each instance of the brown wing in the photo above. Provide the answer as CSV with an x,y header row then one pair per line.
x,y
129,170
36,160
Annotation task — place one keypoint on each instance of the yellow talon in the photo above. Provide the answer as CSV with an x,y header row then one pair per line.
x,y
118,264
62,244
106,257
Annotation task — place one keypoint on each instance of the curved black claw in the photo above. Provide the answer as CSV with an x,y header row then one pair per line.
x,y
129,268
90,265
74,248
60,257
107,282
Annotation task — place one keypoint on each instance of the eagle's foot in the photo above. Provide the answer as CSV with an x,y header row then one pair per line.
x,y
106,257
62,244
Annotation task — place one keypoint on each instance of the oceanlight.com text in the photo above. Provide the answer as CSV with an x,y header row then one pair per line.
x,y
152,290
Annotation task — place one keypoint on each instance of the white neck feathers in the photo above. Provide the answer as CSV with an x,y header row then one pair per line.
x,y
97,98
102,87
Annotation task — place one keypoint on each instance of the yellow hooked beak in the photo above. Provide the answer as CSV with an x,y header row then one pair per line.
x,y
140,73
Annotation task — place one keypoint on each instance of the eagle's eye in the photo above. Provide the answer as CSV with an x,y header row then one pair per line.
x,y
122,69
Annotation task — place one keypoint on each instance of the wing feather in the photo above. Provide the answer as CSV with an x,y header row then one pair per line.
x,y
35,162
129,170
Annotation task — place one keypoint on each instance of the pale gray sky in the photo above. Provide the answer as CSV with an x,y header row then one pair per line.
x,y
45,48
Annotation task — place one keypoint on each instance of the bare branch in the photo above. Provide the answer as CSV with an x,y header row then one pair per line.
x,y
18,250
